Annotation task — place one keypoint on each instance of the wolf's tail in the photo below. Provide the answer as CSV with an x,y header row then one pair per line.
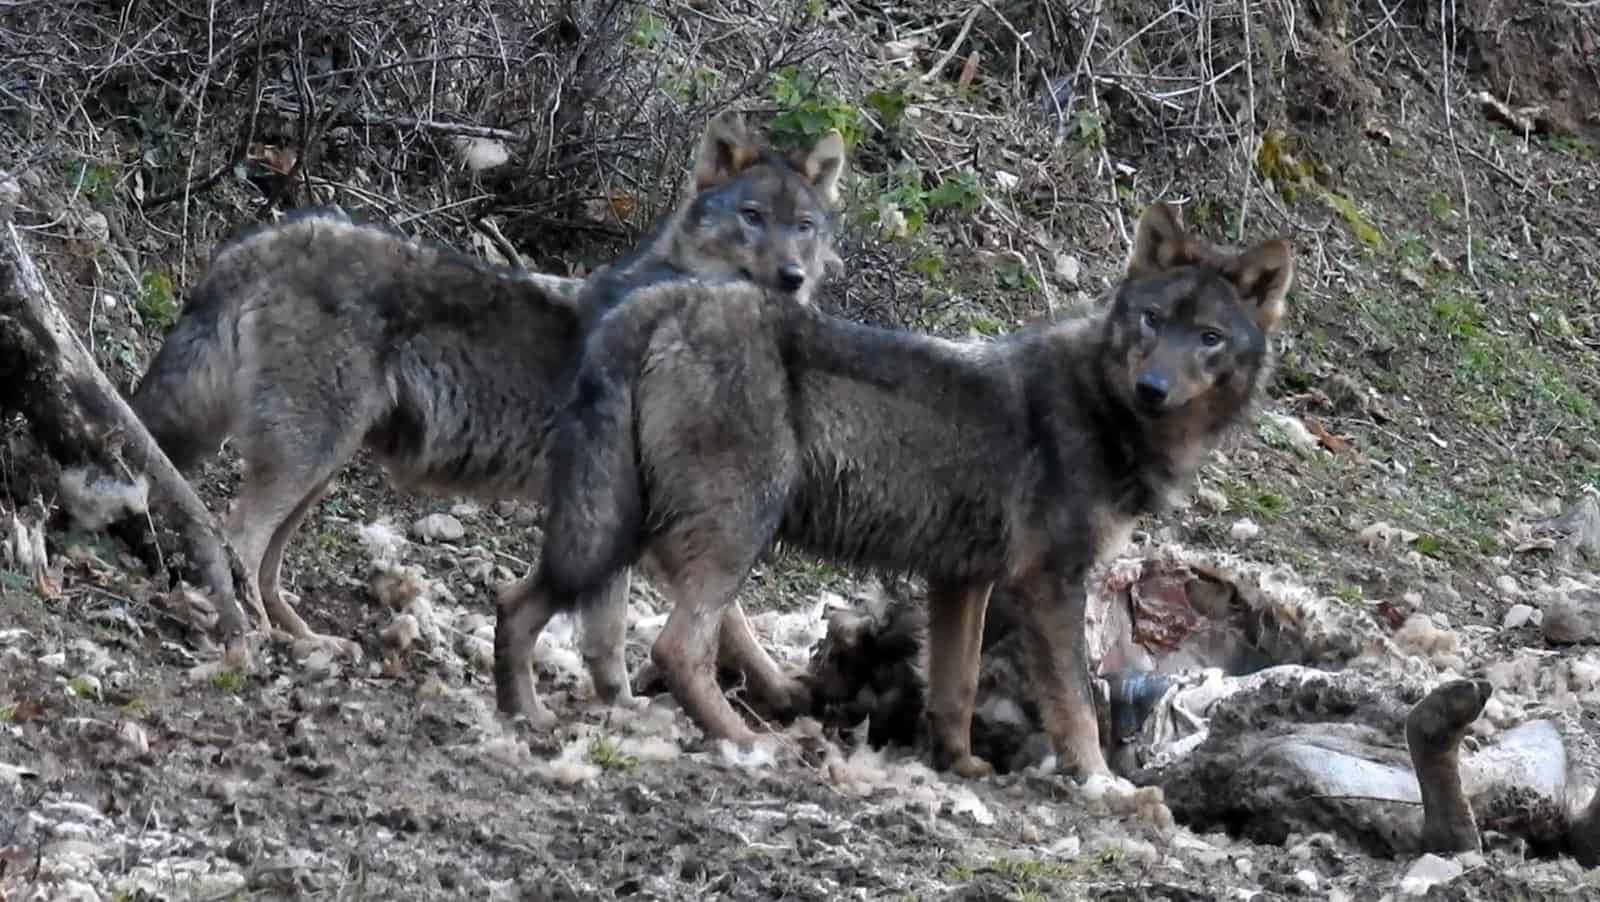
x,y
595,511
186,397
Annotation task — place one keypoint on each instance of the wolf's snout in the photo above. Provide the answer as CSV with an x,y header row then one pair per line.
x,y
1152,390
791,277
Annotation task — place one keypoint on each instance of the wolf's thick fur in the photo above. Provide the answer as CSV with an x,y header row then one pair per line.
x,y
706,422
312,338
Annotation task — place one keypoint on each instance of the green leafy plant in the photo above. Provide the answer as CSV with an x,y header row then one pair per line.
x,y
807,110
157,302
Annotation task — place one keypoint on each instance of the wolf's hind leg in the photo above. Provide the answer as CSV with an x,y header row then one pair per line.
x,y
603,633
281,610
287,470
524,608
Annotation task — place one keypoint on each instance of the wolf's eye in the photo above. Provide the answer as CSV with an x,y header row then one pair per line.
x,y
1211,338
1150,320
806,227
751,217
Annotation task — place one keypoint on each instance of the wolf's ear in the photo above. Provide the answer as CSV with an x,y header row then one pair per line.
x,y
725,150
824,164
1262,275
1160,243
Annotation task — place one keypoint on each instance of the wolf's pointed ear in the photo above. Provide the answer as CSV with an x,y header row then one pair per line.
x,y
1262,275
725,150
824,164
1160,243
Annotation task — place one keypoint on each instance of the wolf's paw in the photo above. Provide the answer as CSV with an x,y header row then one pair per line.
x,y
610,680
308,644
971,767
533,716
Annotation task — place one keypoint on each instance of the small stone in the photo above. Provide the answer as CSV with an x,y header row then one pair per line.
x,y
1068,269
1308,879
1427,872
1244,530
1573,617
1520,615
96,227
134,738
438,528
466,510
1506,584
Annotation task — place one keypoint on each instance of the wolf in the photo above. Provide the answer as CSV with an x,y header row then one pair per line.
x,y
705,422
315,337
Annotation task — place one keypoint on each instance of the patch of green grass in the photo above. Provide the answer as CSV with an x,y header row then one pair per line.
x,y
606,754
1573,146
135,706
1348,593
82,687
903,189
956,872
648,29
695,85
1354,220
8,713
890,105
157,303
1430,545
1088,129
229,681
930,266
1012,275
1412,250
1440,206
984,324
97,182
1263,505
957,191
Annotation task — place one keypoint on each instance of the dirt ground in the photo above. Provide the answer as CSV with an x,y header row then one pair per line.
x,y
1437,391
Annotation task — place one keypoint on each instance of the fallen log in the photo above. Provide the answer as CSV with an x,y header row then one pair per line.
x,y
50,378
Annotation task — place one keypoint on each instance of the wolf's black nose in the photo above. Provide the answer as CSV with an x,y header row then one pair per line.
x,y
791,277
1151,390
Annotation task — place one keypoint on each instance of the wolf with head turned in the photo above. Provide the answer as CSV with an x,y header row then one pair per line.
x,y
314,337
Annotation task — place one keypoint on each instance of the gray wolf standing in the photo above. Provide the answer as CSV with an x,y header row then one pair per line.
x,y
707,422
312,338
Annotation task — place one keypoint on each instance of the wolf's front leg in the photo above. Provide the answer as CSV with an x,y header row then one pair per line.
x,y
1058,669
955,640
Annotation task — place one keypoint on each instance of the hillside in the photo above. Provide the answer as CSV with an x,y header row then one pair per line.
x,y
1432,410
